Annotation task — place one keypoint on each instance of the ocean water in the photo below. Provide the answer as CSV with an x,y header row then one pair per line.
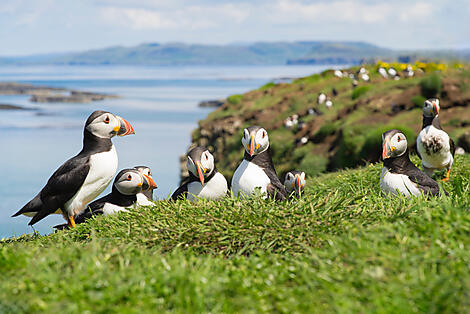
x,y
161,103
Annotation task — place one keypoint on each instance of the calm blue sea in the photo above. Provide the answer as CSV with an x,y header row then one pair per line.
x,y
160,102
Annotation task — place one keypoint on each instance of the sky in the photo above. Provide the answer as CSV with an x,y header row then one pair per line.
x,y
46,26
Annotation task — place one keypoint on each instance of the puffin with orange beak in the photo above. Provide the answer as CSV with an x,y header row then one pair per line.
x,y
83,177
256,171
399,175
435,148
145,197
204,179
127,184
294,183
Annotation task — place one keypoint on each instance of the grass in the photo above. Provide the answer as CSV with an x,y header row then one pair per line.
x,y
344,247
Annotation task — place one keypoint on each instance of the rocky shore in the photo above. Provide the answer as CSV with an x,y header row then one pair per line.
x,y
46,94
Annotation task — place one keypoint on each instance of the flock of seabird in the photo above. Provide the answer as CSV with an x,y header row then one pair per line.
x,y
71,189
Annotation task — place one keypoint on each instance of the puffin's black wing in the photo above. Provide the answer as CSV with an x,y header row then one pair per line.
x,y
62,185
275,189
181,192
425,183
452,146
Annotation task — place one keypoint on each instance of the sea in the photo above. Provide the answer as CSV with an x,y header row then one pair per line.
x,y
161,103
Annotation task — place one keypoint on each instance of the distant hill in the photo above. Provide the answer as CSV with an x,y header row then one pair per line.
x,y
260,53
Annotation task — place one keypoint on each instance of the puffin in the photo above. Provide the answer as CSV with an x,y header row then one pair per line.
x,y
399,174
127,184
145,197
83,177
294,182
435,148
256,171
204,179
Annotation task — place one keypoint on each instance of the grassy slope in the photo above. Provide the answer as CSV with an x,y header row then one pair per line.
x,y
344,247
343,136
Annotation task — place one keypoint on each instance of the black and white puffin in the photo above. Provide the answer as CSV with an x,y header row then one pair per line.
x,y
83,177
294,183
256,171
126,186
399,174
145,197
204,179
435,148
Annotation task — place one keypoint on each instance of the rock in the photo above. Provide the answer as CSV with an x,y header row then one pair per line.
x,y
464,141
13,107
212,103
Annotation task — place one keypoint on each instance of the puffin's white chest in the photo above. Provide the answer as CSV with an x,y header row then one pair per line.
x,y
111,209
103,167
434,148
142,200
394,183
215,188
247,178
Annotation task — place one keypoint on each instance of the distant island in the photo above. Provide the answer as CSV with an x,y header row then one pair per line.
x,y
259,53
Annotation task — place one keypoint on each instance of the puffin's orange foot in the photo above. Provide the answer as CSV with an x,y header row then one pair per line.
x,y
446,179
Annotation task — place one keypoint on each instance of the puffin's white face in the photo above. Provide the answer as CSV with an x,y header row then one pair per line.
x,y
431,107
255,142
393,144
129,183
107,125
145,171
200,164
295,182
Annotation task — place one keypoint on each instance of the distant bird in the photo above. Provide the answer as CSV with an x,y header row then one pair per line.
x,y
399,174
145,197
321,98
328,103
409,71
435,148
365,77
383,72
362,70
355,83
256,171
338,73
392,72
334,92
294,183
128,183
83,177
204,179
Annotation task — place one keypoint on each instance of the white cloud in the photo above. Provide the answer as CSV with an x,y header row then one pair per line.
x,y
189,17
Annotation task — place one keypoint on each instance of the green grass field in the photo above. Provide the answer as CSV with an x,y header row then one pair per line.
x,y
343,248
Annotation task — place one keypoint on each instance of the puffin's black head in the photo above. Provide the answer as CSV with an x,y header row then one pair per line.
x,y
255,140
105,125
295,181
200,163
394,144
145,171
130,182
431,107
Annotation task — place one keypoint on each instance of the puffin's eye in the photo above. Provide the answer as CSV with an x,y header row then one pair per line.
x,y
264,134
149,174
399,139
129,177
207,157
106,120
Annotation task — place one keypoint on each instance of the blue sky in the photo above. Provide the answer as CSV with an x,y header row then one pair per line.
x,y
43,26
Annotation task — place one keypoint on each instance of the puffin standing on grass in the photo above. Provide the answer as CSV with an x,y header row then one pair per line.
x,y
126,186
256,171
83,177
145,197
204,179
435,148
399,174
294,183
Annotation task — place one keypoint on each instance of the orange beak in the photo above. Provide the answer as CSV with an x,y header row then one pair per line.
x,y
199,172
252,146
384,150
152,184
125,127
298,184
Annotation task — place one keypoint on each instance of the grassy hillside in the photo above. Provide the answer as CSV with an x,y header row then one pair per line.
x,y
349,133
342,248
